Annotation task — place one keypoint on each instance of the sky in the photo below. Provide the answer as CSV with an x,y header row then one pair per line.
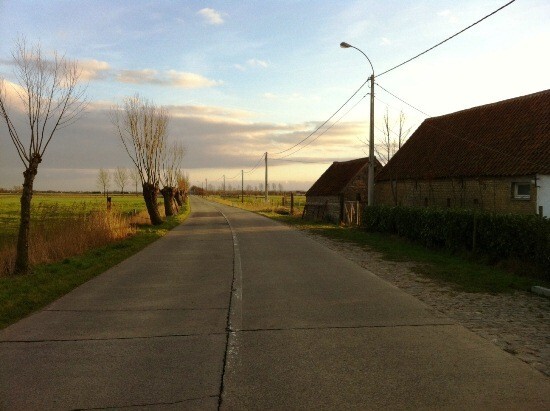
x,y
241,78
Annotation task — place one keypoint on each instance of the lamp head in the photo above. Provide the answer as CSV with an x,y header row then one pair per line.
x,y
345,45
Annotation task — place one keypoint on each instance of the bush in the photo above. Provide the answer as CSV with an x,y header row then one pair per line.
x,y
498,236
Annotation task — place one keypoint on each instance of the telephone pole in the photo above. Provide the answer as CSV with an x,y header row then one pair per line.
x,y
224,183
370,187
266,176
242,186
206,187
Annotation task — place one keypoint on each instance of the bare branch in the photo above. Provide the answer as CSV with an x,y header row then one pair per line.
x,y
50,95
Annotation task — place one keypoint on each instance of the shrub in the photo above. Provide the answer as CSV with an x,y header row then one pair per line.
x,y
498,236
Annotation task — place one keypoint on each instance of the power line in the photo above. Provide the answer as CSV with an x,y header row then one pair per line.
x,y
447,39
325,122
403,101
256,166
332,125
301,161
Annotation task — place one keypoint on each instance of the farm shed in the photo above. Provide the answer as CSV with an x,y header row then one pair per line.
x,y
342,181
494,157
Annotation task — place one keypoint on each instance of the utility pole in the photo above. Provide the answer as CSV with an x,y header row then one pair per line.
x,y
242,186
370,188
206,187
224,183
266,176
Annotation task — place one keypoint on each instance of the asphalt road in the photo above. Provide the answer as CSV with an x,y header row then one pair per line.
x,y
231,310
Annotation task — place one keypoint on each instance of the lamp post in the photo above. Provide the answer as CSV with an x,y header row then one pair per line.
x,y
370,187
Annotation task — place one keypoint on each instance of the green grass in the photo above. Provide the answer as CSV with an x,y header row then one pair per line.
x,y
258,203
20,296
462,272
65,205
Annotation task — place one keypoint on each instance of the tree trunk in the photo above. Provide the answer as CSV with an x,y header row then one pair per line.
x,y
150,197
22,265
179,197
168,193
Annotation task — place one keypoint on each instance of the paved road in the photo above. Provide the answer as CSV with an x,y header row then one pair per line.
x,y
235,311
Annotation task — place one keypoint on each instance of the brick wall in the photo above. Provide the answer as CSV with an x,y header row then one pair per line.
x,y
356,190
488,194
332,203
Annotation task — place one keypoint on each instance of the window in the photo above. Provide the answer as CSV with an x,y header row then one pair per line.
x,y
522,191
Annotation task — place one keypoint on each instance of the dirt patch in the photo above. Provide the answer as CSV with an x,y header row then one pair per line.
x,y
518,323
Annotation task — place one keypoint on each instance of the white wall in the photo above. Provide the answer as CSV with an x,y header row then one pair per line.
x,y
543,194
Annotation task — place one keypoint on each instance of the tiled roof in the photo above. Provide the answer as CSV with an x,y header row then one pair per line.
x,y
337,177
507,138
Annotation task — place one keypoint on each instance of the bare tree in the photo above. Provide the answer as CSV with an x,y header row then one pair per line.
x,y
183,187
134,176
121,177
280,188
51,98
104,180
172,160
392,139
142,128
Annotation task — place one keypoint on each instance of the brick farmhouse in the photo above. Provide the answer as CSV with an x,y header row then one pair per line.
x,y
494,157
342,181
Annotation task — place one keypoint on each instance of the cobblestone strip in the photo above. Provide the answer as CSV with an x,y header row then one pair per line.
x,y
518,323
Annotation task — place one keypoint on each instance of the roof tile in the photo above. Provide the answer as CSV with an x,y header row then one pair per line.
x,y
507,138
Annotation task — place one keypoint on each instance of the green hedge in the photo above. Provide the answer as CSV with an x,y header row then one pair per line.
x,y
498,236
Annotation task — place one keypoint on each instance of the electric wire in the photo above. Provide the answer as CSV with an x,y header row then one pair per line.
x,y
256,166
325,122
403,101
447,39
327,129
302,161
283,158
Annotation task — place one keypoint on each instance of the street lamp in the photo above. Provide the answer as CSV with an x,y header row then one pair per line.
x,y
370,187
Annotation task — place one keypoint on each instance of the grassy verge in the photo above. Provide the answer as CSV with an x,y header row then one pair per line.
x,y
462,272
20,296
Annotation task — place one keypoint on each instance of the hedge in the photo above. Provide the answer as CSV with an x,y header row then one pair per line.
x,y
498,236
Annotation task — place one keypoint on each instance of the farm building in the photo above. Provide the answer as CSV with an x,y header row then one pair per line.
x,y
343,181
494,157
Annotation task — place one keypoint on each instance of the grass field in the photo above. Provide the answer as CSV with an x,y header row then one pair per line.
x,y
60,206
275,203
22,295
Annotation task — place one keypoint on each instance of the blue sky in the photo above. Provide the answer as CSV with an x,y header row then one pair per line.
x,y
245,77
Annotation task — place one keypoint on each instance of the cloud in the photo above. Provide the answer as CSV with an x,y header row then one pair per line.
x,y
218,138
293,97
448,15
12,94
257,63
252,63
211,16
190,80
145,76
93,69
170,78
384,41
211,113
